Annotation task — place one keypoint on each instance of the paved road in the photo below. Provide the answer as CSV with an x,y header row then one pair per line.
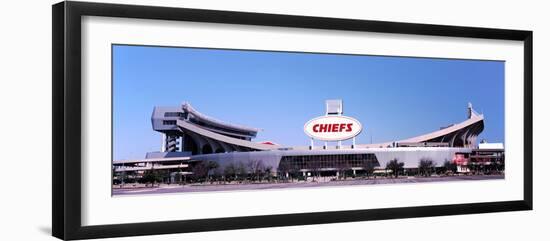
x,y
261,186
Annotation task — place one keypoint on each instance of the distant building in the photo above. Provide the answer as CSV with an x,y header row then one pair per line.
x,y
487,154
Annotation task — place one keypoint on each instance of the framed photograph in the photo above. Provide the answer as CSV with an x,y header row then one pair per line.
x,y
171,120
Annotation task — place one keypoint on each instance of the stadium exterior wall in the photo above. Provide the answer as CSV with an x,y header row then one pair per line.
x,y
410,156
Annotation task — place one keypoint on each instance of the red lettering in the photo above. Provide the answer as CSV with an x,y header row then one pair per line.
x,y
316,128
334,127
342,126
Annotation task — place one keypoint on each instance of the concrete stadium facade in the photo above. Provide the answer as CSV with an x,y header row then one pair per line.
x,y
410,156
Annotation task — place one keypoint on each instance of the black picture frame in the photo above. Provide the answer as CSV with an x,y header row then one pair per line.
x,y
67,134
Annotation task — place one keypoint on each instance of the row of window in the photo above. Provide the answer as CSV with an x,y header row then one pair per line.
x,y
173,114
339,161
168,122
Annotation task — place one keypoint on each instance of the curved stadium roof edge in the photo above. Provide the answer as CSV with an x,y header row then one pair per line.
x,y
187,107
186,126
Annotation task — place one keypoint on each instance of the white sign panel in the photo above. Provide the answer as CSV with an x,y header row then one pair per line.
x,y
333,128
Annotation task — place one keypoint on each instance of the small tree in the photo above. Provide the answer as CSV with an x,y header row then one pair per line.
x,y
178,177
114,174
210,166
395,166
426,166
240,171
342,167
449,166
267,173
474,167
315,167
283,169
230,171
164,176
255,168
217,173
200,171
368,167
151,176
120,176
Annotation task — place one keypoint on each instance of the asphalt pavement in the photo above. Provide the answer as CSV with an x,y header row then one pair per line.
x,y
174,188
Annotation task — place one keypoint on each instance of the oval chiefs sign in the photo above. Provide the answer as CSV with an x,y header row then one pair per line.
x,y
333,128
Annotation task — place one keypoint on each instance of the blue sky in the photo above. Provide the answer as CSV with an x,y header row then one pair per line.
x,y
393,97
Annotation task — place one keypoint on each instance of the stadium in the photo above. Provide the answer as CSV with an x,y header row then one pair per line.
x,y
194,144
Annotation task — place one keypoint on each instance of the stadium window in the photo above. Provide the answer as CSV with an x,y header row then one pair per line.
x,y
173,114
168,122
